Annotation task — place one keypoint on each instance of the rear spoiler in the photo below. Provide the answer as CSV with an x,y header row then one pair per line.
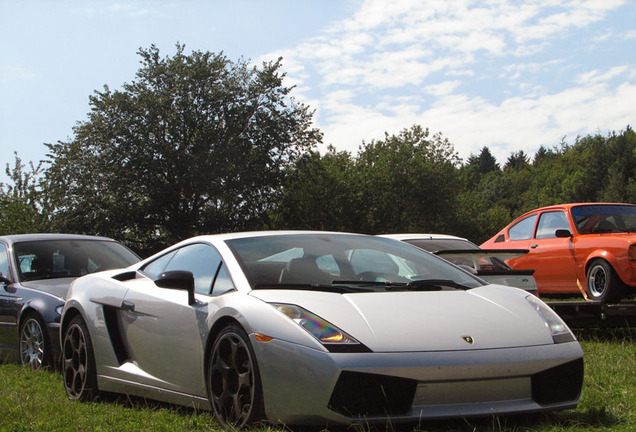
x,y
502,254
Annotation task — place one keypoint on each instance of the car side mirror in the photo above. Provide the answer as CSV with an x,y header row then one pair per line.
x,y
563,233
4,282
177,280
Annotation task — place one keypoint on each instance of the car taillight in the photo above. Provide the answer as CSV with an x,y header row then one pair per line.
x,y
632,253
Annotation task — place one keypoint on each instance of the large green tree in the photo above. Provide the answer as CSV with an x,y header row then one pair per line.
x,y
321,192
408,183
195,144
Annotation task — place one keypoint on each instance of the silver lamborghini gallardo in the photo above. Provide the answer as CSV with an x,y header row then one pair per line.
x,y
315,328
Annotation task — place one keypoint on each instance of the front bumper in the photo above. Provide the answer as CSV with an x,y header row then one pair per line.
x,y
307,386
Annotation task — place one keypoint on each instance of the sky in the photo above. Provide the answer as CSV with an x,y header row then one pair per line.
x,y
507,75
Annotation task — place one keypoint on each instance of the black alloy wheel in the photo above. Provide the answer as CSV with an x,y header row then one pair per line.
x,y
78,362
233,380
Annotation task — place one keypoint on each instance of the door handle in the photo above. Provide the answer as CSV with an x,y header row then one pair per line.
x,y
534,246
128,306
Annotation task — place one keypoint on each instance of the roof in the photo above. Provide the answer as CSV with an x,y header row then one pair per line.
x,y
568,206
16,238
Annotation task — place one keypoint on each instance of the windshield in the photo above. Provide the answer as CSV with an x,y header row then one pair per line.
x,y
49,259
602,218
320,261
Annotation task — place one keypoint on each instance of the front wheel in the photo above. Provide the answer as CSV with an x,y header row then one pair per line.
x,y
603,283
78,362
233,380
35,350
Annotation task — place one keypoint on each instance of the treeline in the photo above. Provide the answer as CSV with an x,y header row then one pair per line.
x,y
412,182
199,144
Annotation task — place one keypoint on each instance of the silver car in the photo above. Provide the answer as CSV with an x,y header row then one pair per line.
x,y
315,328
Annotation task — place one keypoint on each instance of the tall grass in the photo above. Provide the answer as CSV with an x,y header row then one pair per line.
x,y
35,401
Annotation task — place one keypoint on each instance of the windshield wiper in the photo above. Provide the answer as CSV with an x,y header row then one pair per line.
x,y
416,285
334,287
355,286
434,284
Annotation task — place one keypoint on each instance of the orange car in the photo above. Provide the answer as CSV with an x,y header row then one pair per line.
x,y
589,247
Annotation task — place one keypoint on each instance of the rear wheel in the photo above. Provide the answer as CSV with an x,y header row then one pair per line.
x,y
234,385
603,283
78,362
35,350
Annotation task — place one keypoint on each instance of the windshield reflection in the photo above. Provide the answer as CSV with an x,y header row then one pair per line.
x,y
324,260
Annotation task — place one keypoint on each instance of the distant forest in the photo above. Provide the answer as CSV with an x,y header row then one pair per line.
x,y
412,182
197,144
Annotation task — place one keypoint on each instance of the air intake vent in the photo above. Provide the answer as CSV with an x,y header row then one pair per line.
x,y
358,394
559,384
125,276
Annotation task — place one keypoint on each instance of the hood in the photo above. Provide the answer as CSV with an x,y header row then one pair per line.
x,y
57,287
492,316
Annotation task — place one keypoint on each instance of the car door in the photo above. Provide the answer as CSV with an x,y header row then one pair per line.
x,y
7,300
550,256
519,237
163,332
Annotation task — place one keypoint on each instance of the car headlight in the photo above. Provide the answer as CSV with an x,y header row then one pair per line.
x,y
329,335
58,310
559,331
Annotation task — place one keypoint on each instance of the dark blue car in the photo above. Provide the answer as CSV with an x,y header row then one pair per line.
x,y
36,271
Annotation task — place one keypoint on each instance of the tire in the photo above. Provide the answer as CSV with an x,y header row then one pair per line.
x,y
603,284
78,362
233,380
35,347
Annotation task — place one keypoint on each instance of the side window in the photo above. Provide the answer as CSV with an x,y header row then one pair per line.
x,y
4,262
522,230
202,260
549,222
155,268
223,282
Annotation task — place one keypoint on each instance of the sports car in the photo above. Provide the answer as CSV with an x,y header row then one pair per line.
x,y
315,328
36,271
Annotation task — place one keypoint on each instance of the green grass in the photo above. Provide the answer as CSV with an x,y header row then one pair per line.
x,y
35,401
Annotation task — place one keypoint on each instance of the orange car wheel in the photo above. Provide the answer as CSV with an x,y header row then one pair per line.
x,y
603,283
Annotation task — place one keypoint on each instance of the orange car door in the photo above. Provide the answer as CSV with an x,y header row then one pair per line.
x,y
552,257
519,237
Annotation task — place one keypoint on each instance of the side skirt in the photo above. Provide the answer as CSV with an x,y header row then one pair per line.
x,y
115,385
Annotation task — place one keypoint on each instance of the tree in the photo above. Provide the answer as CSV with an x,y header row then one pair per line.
x,y
22,202
321,192
485,161
408,183
195,144
621,173
517,160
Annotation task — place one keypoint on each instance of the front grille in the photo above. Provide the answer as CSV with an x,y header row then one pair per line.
x,y
559,384
359,394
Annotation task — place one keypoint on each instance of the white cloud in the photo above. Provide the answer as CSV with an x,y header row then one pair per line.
x,y
442,89
472,123
395,64
595,77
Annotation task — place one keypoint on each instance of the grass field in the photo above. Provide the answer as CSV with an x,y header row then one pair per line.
x,y
35,401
